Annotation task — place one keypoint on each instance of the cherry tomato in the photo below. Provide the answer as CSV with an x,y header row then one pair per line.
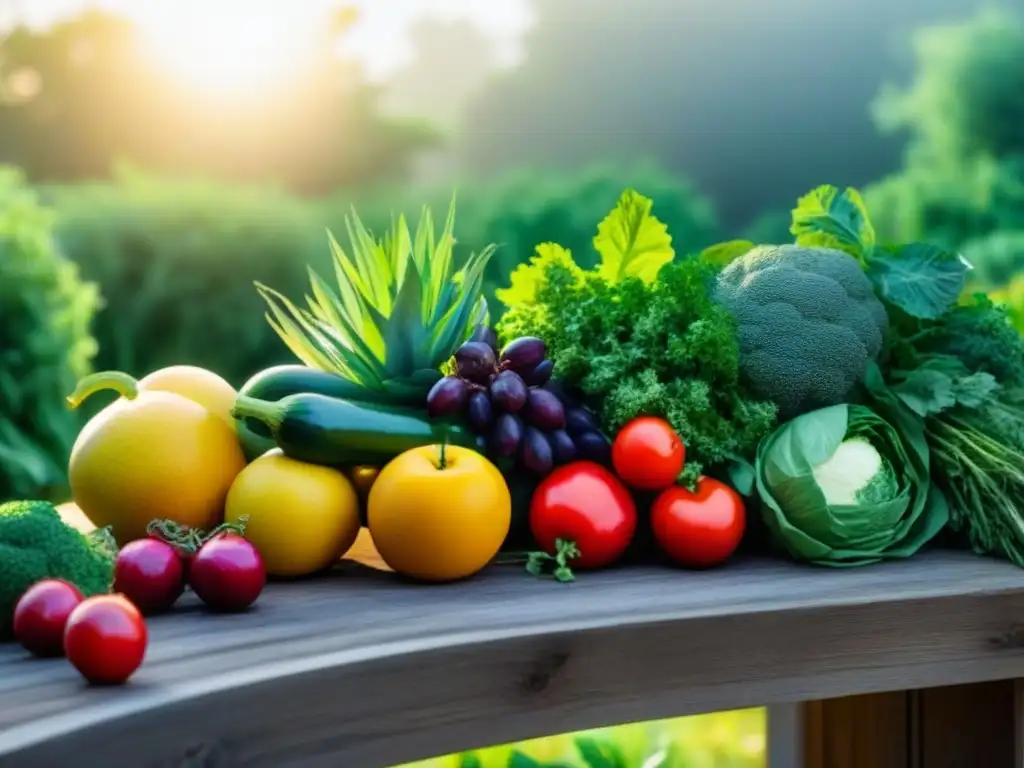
x,y
584,505
648,454
105,639
150,573
702,528
41,614
227,573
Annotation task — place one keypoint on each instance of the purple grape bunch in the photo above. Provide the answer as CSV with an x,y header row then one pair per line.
x,y
509,398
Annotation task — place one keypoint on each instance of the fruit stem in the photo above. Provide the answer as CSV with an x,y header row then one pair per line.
x,y
190,540
443,462
120,382
265,411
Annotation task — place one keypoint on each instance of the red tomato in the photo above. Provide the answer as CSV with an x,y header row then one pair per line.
x,y
648,454
699,529
41,614
105,639
227,573
585,504
150,573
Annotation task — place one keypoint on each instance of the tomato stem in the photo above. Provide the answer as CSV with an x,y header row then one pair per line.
x,y
190,540
126,386
538,563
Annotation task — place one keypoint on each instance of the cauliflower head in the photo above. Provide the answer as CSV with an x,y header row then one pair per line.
x,y
35,543
808,320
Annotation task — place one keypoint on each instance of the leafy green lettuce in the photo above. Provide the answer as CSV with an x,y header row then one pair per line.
x,y
641,335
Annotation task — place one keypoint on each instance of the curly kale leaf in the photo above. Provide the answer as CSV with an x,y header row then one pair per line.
x,y
635,348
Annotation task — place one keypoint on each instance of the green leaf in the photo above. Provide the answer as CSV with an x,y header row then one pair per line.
x,y
521,760
470,760
741,475
923,280
631,241
830,218
600,753
975,390
722,254
406,338
941,382
925,391
526,278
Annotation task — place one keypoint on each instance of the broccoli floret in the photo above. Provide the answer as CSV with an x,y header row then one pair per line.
x,y
809,324
36,544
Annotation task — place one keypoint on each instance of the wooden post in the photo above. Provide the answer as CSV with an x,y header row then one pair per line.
x,y
963,726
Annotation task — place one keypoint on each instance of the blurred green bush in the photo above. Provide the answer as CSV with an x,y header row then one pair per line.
x,y
45,345
176,260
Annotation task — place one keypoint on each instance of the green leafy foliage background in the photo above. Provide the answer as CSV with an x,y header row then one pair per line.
x,y
46,310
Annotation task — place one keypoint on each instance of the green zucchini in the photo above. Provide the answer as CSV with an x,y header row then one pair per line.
x,y
279,382
318,429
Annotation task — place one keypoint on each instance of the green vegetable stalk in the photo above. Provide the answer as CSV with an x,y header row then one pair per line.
x,y
963,373
845,486
641,335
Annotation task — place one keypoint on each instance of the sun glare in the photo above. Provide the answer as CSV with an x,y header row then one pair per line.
x,y
221,51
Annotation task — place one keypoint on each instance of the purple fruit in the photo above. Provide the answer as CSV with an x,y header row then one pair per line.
x,y
544,410
508,392
479,412
507,435
555,387
474,360
524,353
537,454
486,335
579,420
540,373
562,446
446,397
592,446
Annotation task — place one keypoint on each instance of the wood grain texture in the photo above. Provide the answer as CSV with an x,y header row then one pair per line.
x,y
868,731
364,670
965,725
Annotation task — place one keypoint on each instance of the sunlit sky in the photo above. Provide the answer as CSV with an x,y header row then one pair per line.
x,y
233,43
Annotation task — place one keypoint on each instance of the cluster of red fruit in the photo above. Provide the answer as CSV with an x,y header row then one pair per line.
x,y
105,636
584,516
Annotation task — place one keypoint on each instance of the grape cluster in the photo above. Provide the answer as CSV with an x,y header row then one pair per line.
x,y
510,398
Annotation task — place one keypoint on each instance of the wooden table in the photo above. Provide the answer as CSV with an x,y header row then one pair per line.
x,y
362,670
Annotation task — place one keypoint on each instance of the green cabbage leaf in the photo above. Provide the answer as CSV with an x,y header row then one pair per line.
x,y
846,486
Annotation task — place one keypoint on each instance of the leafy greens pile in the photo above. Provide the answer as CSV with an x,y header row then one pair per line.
x,y
964,375
641,335
952,364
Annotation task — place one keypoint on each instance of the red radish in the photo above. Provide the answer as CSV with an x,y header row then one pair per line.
x,y
150,573
42,613
106,639
227,573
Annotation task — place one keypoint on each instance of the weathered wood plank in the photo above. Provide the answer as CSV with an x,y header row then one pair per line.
x,y
364,670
